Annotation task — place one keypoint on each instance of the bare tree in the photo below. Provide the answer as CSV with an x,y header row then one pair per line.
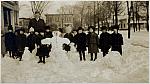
x,y
129,14
38,6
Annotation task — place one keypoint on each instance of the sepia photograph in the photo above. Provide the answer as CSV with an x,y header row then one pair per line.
x,y
74,41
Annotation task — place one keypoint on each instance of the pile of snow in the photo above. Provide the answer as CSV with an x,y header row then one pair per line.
x,y
132,66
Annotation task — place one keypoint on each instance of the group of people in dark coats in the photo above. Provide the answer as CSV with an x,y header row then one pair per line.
x,y
15,42
94,43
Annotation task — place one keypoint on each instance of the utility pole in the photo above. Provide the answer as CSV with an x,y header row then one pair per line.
x,y
129,13
98,16
94,16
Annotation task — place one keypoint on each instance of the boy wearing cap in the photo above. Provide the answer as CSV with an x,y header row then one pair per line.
x,y
116,40
92,42
21,43
81,42
104,41
31,40
10,41
42,50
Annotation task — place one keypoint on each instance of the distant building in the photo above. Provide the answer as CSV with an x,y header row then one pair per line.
x,y
123,22
9,14
24,22
60,20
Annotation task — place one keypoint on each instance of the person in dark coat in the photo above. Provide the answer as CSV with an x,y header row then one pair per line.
x,y
31,41
48,34
37,23
74,37
92,43
70,37
10,42
81,43
21,43
116,40
104,41
42,50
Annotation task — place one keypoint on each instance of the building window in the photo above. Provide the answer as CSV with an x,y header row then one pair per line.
x,y
7,16
124,25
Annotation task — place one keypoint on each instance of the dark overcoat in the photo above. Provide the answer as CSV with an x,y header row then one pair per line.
x,y
116,42
43,50
37,25
10,41
31,41
70,37
81,42
104,42
48,34
75,39
21,42
92,42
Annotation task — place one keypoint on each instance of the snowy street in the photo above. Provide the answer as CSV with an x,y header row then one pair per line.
x,y
131,67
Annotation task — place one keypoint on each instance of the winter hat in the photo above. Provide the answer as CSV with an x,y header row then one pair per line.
x,y
22,30
91,27
47,27
103,28
80,28
115,27
31,29
61,30
10,27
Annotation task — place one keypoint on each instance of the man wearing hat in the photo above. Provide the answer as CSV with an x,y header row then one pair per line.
x,y
10,41
116,40
37,23
104,41
48,34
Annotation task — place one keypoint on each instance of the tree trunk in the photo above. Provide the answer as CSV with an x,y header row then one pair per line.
x,y
128,20
136,17
139,23
133,15
81,21
116,11
113,20
94,16
98,25
147,6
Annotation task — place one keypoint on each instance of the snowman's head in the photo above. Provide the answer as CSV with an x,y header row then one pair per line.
x,y
56,33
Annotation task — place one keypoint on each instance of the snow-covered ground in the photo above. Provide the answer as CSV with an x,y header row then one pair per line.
x,y
132,67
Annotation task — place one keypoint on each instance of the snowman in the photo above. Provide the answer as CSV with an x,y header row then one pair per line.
x,y
57,53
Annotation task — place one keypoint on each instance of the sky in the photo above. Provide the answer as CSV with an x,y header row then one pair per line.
x,y
51,8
